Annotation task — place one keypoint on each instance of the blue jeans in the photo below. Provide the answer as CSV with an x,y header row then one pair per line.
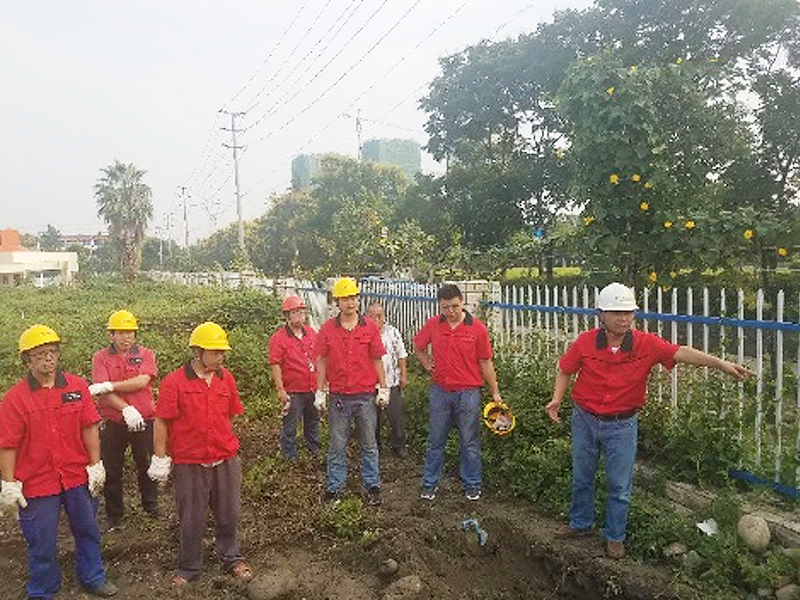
x,y
39,524
342,409
462,408
617,441
301,406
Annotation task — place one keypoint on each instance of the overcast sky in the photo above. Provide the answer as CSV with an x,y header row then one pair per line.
x,y
151,82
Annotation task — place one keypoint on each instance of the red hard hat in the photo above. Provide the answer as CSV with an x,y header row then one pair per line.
x,y
291,303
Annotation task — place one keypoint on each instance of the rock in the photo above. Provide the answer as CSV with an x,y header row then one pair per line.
x,y
754,532
274,585
692,561
788,592
405,588
674,549
764,592
388,568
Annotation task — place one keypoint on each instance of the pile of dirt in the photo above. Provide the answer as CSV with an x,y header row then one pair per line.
x,y
415,548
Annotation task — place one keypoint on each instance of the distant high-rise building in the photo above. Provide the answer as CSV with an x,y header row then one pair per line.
x,y
406,154
304,168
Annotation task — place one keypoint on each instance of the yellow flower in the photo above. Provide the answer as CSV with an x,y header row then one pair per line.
x,y
667,224
636,177
653,276
748,234
783,252
673,274
613,179
649,185
689,224
644,206
610,90
633,69
588,221
678,61
559,152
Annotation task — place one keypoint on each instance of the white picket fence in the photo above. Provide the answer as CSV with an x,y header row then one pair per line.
x,y
759,331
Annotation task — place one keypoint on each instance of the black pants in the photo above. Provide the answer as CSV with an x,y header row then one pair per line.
x,y
114,441
397,427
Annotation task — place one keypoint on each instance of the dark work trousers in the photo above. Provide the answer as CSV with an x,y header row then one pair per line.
x,y
397,425
196,488
114,441
301,405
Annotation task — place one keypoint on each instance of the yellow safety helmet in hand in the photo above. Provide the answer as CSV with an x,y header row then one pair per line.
x,y
209,336
497,416
344,287
37,335
122,320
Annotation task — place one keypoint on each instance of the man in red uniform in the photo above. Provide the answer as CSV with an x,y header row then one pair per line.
x,y
459,362
50,457
349,360
196,404
613,363
122,373
291,355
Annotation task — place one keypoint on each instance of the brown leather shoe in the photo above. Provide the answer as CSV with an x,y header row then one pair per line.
x,y
568,533
615,550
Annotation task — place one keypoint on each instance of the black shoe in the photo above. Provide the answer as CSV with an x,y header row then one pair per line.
x,y
374,496
103,590
111,525
333,496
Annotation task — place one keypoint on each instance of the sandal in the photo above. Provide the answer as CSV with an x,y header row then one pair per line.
x,y
240,570
177,581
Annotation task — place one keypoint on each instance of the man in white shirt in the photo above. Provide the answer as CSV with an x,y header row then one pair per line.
x,y
394,365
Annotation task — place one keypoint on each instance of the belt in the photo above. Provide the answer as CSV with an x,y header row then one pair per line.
x,y
614,416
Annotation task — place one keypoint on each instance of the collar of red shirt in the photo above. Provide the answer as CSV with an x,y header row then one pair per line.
x,y
113,350
34,384
290,331
361,321
467,318
190,374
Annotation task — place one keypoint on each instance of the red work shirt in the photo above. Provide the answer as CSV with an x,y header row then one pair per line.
x,y
349,355
198,415
610,381
110,365
45,427
295,357
456,351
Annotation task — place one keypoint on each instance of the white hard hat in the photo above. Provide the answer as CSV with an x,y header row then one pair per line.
x,y
616,296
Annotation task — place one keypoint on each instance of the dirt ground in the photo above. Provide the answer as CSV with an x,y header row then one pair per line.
x,y
290,552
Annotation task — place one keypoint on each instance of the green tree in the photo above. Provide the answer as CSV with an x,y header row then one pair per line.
x,y
124,202
50,239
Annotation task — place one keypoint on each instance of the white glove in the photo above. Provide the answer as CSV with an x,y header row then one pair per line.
x,y
382,397
320,400
97,477
11,495
286,408
159,468
133,418
104,387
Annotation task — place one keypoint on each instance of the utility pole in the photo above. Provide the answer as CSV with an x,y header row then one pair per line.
x,y
185,218
236,149
358,133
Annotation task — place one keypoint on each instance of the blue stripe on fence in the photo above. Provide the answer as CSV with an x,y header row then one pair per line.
x,y
696,319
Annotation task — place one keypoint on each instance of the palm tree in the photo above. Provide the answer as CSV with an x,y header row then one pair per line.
x,y
125,203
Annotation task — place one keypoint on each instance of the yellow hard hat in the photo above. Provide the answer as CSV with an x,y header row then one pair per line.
x,y
122,320
37,335
209,336
344,287
497,416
